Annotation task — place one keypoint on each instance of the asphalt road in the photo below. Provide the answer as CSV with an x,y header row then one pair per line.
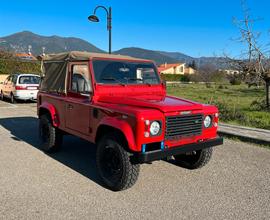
x,y
34,185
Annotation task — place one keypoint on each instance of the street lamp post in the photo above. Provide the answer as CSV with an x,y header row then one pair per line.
x,y
94,18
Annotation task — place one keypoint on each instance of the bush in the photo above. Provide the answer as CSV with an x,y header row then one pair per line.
x,y
185,78
258,119
235,81
218,77
195,78
258,105
221,87
175,77
228,113
208,85
9,66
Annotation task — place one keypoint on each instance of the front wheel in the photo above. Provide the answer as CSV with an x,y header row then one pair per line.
x,y
50,137
195,159
114,165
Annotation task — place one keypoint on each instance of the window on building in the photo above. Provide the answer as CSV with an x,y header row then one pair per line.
x,y
181,69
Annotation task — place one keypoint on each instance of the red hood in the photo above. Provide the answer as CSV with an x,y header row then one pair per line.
x,y
164,104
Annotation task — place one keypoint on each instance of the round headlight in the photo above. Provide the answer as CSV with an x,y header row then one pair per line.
x,y
154,128
207,121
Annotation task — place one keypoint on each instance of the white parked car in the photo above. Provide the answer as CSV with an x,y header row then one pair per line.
x,y
20,87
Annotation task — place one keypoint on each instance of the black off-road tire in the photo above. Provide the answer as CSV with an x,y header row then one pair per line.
x,y
51,138
12,99
113,163
194,160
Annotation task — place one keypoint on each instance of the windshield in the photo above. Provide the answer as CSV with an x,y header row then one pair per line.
x,y
124,72
29,80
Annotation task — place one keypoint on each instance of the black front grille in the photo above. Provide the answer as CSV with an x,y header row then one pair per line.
x,y
183,126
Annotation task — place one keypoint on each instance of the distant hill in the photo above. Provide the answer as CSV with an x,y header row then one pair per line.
x,y
172,57
19,42
178,56
147,54
218,62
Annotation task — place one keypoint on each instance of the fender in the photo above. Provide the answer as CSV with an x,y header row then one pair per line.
x,y
124,127
52,110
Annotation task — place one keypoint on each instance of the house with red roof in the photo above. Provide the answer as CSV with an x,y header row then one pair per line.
x,y
175,68
25,56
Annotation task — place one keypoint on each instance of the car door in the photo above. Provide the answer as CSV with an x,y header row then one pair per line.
x,y
4,86
78,102
13,83
7,86
10,85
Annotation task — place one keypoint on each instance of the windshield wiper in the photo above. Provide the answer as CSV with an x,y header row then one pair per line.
x,y
113,79
134,79
139,79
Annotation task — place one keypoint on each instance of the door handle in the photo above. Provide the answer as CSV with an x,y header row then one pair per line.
x,y
70,107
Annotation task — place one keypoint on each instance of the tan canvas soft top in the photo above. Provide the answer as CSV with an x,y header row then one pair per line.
x,y
81,56
55,67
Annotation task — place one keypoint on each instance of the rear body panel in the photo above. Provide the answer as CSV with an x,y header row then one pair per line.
x,y
25,94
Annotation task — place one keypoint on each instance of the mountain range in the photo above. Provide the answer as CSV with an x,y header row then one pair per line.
x,y
19,42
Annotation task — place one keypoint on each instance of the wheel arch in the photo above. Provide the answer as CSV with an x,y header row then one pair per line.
x,y
49,109
121,128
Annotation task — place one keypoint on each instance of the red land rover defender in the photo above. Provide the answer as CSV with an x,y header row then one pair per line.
x,y
120,104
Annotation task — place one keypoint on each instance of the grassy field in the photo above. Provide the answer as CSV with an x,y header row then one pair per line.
x,y
234,102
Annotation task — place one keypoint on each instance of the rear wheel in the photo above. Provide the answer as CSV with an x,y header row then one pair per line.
x,y
2,96
114,165
195,159
50,137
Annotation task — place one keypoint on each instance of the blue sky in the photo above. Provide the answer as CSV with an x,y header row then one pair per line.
x,y
196,28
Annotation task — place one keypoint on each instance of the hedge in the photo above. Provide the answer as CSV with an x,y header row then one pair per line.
x,y
10,66
175,77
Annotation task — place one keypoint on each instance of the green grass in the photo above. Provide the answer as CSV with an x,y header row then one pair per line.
x,y
237,99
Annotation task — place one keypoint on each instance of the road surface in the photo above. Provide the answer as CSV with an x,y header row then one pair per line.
x,y
34,185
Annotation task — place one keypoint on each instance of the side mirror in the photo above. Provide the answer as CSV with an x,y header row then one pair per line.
x,y
1,83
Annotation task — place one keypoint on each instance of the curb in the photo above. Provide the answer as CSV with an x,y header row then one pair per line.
x,y
246,134
244,138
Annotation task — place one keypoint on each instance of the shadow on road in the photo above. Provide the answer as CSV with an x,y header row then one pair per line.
x,y
77,154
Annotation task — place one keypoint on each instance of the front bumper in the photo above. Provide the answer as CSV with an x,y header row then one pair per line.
x,y
160,154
